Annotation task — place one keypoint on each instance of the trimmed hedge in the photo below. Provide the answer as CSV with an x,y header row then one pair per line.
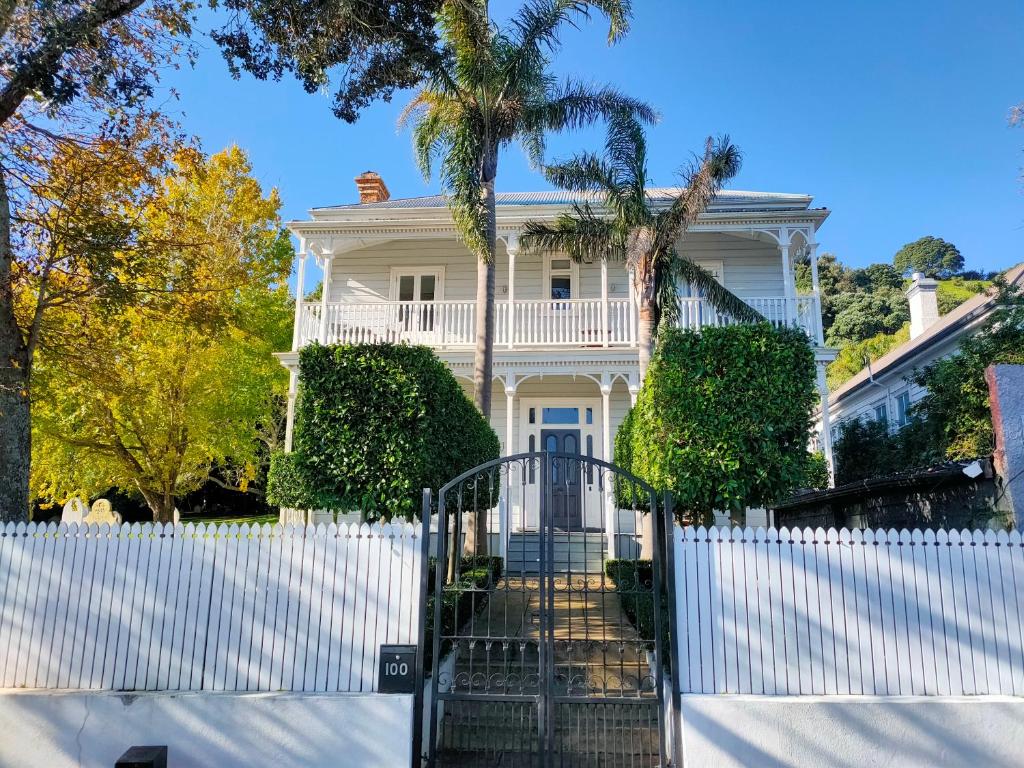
x,y
634,583
471,592
723,419
374,425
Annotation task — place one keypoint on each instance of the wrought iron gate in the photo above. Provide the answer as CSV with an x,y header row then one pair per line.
x,y
551,655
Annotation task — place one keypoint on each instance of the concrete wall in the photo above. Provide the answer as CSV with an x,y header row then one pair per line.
x,y
857,732
50,729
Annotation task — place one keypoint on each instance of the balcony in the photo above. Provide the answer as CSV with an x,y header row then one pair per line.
x,y
590,323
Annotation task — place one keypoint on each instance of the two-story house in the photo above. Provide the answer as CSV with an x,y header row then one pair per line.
x,y
565,357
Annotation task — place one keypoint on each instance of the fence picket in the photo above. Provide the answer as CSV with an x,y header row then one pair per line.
x,y
850,612
162,607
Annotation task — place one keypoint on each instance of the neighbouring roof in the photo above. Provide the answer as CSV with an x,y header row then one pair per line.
x,y
726,200
971,310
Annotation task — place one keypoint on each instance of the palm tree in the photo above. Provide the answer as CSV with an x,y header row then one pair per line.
x,y
493,88
632,226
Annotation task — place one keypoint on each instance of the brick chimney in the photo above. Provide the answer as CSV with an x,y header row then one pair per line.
x,y
924,303
372,188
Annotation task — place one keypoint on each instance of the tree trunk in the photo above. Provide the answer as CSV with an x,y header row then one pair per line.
x,y
160,503
483,364
15,370
645,337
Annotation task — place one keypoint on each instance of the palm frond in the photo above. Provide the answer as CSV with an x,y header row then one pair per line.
x,y
576,105
586,172
705,284
537,22
701,180
581,235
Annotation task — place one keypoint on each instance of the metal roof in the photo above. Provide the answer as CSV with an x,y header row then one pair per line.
x,y
725,200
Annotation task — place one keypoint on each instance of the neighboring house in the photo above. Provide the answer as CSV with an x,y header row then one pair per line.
x,y
565,357
883,390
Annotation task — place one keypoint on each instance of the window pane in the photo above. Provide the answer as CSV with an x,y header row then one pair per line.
x,y
590,415
561,288
557,264
881,413
561,415
533,416
551,444
405,287
570,444
427,287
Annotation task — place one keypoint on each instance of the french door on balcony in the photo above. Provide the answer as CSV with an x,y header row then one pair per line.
x,y
415,291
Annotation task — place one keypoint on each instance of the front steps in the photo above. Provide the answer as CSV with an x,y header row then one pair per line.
x,y
575,552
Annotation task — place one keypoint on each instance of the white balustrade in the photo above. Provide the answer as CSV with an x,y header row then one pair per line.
x,y
569,323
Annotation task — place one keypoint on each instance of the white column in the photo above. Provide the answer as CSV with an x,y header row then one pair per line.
x,y
325,293
826,425
610,523
634,390
604,302
505,511
812,254
510,406
788,285
512,248
289,424
300,285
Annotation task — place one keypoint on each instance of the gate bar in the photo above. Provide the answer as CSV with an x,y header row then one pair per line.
x,y
417,707
668,523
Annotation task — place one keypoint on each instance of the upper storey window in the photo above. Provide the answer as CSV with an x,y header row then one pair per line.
x,y
561,279
415,285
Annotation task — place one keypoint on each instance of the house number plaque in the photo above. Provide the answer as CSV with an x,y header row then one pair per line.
x,y
397,672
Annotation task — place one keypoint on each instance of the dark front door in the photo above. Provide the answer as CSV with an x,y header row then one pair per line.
x,y
566,507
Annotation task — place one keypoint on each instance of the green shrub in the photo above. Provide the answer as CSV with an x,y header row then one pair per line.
x,y
374,425
634,583
478,575
724,417
867,449
816,472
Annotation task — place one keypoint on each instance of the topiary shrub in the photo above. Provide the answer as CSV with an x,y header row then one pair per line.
x,y
724,418
374,425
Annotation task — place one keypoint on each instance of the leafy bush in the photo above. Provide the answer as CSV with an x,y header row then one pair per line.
x,y
374,425
478,575
634,583
724,418
816,471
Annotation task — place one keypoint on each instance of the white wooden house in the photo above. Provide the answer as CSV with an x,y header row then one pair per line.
x,y
565,358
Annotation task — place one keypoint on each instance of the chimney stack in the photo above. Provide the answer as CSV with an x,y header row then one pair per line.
x,y
924,303
372,188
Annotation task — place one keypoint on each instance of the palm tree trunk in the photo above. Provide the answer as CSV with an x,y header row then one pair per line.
x,y
645,336
15,369
476,539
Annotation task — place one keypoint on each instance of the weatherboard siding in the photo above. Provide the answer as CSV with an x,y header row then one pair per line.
x,y
751,269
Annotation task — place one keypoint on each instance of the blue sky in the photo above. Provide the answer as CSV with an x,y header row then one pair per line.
x,y
892,114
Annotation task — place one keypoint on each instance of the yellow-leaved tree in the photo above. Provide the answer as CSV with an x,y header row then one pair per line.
x,y
149,393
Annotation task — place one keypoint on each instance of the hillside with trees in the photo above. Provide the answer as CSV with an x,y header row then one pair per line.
x,y
864,310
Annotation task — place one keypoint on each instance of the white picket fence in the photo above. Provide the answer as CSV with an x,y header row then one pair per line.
x,y
223,608
862,612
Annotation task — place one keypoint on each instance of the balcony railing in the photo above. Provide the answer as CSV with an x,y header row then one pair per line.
x,y
523,324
